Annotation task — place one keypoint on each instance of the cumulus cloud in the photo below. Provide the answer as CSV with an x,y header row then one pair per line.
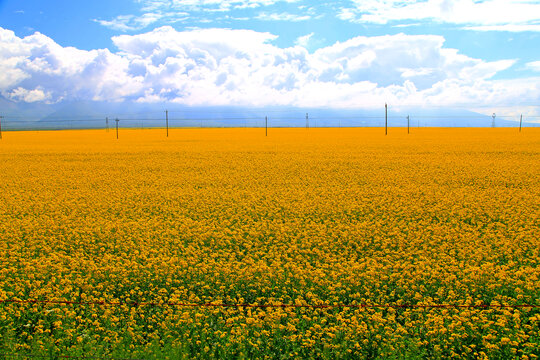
x,y
39,65
29,96
489,13
245,68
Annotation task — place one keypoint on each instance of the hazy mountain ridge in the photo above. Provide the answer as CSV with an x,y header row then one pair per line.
x,y
89,114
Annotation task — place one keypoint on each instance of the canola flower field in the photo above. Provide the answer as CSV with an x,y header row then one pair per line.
x,y
346,218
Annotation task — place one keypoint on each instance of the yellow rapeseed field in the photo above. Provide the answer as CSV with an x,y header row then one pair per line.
x,y
301,217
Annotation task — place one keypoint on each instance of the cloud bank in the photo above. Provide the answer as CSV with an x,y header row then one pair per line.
x,y
244,68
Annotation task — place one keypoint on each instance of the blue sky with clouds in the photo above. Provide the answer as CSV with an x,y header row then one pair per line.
x,y
345,54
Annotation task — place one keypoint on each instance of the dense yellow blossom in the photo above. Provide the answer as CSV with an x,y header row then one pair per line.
x,y
301,217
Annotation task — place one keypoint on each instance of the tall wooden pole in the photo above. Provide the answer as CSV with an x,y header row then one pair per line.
x,y
385,119
167,121
117,127
266,122
408,124
520,122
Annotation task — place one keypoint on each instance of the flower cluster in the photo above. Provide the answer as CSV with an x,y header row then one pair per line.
x,y
301,217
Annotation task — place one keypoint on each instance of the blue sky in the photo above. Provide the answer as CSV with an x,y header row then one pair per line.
x,y
440,53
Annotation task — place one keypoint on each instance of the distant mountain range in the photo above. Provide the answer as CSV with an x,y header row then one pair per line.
x,y
86,114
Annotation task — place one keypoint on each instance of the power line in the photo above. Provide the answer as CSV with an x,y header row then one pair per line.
x,y
245,305
67,119
61,356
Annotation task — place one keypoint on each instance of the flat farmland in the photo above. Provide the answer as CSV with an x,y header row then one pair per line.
x,y
224,243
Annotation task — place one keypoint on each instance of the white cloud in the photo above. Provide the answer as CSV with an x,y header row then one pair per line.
x,y
40,66
477,15
121,23
304,40
282,17
29,96
244,67
486,13
506,27
534,65
173,11
406,25
131,22
207,5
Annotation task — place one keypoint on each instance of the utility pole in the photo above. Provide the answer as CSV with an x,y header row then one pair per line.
x,y
307,121
408,124
385,119
266,121
117,128
520,122
107,124
167,121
